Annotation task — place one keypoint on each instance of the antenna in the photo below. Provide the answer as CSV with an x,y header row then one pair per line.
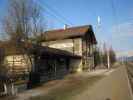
x,y
98,21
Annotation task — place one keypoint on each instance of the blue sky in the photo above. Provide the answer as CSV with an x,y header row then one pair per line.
x,y
116,16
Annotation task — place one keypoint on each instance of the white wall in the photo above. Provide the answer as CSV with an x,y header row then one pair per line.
x,y
18,63
69,45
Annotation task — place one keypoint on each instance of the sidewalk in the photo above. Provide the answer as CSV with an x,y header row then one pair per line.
x,y
71,85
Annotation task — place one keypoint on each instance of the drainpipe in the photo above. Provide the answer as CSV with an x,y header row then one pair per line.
x,y
73,46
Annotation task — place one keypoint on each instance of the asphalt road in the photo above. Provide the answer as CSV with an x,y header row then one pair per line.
x,y
115,86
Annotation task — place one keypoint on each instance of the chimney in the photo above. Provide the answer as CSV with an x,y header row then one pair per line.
x,y
65,26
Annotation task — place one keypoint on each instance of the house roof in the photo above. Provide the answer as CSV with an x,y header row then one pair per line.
x,y
67,33
9,48
53,53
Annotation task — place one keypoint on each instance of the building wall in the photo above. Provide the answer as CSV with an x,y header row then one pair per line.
x,y
18,63
76,65
88,54
50,69
78,46
71,45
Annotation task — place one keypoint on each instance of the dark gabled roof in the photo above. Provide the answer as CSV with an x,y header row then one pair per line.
x,y
53,53
9,48
67,33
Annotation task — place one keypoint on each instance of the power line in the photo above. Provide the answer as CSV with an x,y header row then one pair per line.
x,y
55,14
46,5
114,10
51,14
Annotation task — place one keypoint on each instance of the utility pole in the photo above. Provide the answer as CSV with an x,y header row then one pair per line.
x,y
108,59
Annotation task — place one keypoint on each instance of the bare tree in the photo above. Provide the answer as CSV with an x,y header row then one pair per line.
x,y
3,68
23,22
104,54
97,57
112,55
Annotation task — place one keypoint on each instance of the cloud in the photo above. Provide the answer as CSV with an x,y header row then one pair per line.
x,y
123,30
122,37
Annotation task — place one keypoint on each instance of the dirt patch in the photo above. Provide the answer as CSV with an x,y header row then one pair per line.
x,y
68,88
7,97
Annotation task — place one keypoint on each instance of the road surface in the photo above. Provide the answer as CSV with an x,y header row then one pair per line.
x,y
115,86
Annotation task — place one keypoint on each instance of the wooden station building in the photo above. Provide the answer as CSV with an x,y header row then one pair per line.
x,y
79,41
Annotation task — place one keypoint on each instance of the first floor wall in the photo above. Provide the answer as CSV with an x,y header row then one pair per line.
x,y
76,65
21,64
88,63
